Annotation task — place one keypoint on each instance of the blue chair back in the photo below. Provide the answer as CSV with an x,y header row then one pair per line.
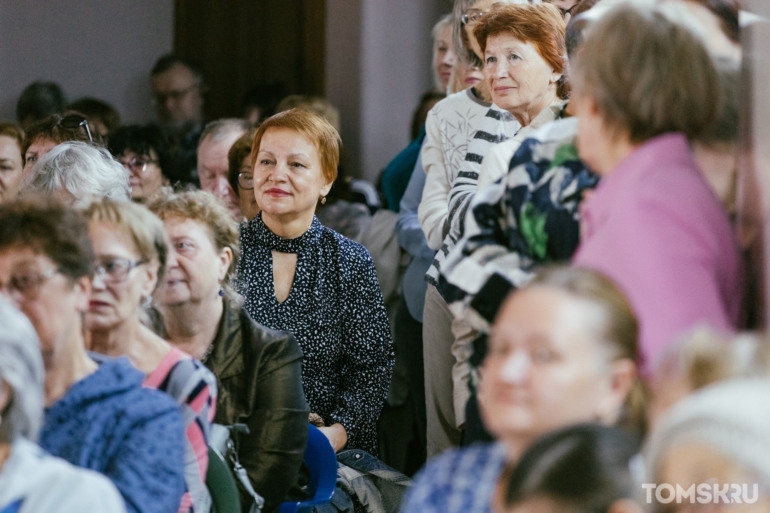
x,y
322,462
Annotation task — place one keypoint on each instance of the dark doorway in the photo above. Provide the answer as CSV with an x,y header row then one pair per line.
x,y
240,43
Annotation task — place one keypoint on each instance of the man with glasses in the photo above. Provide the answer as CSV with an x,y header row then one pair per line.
x,y
177,90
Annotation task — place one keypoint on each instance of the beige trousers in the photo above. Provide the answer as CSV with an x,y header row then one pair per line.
x,y
446,349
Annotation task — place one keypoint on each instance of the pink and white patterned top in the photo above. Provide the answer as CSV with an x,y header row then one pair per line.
x,y
194,388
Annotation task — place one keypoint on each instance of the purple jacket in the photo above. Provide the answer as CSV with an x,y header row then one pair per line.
x,y
656,228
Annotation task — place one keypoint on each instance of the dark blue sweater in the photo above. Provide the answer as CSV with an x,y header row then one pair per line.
x,y
135,436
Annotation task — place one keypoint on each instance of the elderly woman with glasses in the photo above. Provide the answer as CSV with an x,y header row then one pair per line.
x,y
77,174
98,413
145,153
240,174
258,370
32,481
130,248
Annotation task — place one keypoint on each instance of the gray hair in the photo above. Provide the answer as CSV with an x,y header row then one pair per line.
x,y
219,129
731,417
21,367
84,171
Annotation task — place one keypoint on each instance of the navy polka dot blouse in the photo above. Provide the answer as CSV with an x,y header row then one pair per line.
x,y
336,311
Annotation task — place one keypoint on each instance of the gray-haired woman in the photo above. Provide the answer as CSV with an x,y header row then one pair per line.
x,y
30,479
78,173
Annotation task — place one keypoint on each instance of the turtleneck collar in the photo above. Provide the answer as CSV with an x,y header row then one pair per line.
x,y
277,243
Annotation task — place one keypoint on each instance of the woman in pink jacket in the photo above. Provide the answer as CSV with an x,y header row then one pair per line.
x,y
653,225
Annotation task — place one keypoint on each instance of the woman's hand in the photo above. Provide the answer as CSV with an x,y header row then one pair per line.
x,y
337,436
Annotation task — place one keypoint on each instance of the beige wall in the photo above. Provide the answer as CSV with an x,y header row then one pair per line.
x,y
101,48
377,67
377,61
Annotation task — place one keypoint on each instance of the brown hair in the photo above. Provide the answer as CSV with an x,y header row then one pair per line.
x,y
318,105
316,129
238,151
539,24
142,226
14,132
49,128
620,333
49,228
205,208
97,110
647,75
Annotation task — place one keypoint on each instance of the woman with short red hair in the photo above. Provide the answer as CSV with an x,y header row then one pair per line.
x,y
297,275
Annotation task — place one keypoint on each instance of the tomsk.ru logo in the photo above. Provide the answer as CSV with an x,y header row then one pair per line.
x,y
704,493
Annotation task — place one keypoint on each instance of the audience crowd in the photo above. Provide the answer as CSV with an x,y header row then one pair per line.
x,y
536,309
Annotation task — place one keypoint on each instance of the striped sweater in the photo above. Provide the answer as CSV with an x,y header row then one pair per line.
x,y
485,144
495,127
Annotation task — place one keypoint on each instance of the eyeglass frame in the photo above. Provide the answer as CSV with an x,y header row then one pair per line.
x,y
465,18
102,273
80,121
32,290
240,175
133,160
565,12
160,99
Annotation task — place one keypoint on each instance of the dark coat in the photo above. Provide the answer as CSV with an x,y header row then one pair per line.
x,y
259,377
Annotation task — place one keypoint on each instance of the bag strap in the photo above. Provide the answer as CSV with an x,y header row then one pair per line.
x,y
230,453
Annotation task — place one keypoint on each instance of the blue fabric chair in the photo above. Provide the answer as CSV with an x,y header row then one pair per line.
x,y
13,508
322,462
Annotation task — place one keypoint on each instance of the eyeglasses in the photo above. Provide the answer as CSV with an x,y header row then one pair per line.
x,y
138,164
471,17
75,121
28,285
565,12
115,270
246,181
175,96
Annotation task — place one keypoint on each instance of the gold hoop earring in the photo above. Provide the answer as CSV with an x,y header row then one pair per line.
x,y
323,200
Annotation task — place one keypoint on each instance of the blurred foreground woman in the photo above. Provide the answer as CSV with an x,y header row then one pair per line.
x,y
98,415
562,352
32,481
643,87
716,440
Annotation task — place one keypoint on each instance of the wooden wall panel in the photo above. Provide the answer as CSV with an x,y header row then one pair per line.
x,y
243,42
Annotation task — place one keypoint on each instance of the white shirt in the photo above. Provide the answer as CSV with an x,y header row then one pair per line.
x,y
44,483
